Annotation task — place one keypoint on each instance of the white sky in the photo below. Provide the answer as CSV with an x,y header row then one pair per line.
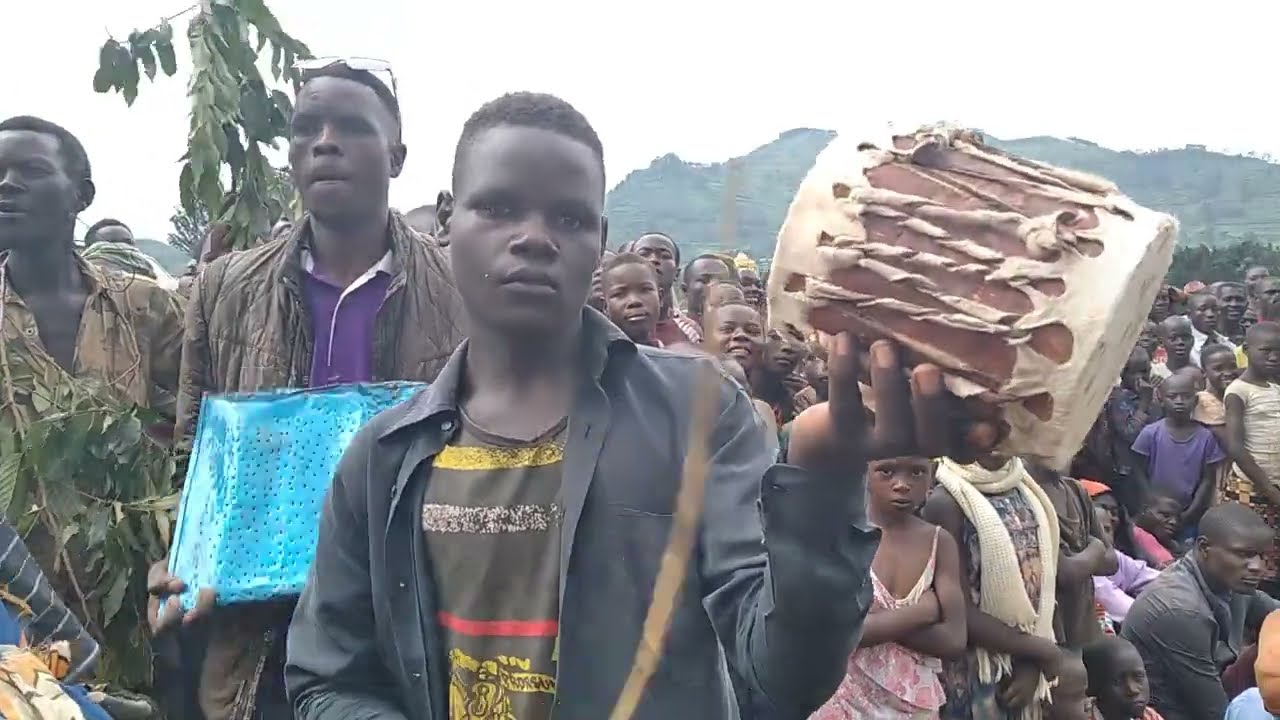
x,y
706,79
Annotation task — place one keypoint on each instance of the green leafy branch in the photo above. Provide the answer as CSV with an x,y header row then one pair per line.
x,y
89,489
235,113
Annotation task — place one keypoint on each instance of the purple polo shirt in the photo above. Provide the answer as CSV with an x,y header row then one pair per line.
x,y
343,322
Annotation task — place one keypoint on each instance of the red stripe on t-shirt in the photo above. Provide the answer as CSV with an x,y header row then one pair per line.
x,y
504,628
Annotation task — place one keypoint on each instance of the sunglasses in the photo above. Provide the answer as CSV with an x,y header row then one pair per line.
x,y
377,68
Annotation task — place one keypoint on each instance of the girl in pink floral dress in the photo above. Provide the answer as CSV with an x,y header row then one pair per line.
x,y
917,614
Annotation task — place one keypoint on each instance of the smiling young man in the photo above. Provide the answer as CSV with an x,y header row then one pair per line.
x,y
350,294
518,577
1189,623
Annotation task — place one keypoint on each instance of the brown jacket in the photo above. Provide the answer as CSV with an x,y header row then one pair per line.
x,y
247,329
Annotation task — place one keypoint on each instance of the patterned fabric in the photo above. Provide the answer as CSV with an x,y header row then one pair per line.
x,y
1209,411
687,325
1261,427
889,681
967,697
28,691
492,517
130,336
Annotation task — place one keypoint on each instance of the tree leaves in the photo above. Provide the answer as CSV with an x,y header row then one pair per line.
x,y
233,110
84,475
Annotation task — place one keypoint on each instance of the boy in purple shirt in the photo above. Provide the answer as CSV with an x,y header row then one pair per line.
x,y
1182,455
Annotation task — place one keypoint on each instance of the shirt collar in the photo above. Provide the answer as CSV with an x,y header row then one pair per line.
x,y
385,265
601,341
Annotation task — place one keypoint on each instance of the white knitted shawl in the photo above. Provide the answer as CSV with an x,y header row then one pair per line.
x,y
1003,592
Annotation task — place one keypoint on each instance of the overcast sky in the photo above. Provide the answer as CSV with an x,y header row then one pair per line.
x,y
702,78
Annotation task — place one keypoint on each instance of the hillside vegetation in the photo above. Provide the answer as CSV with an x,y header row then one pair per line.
x,y
1219,199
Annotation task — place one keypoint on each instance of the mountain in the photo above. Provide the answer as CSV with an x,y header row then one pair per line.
x,y
173,260
1219,199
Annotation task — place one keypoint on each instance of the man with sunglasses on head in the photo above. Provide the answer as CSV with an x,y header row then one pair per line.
x,y
351,293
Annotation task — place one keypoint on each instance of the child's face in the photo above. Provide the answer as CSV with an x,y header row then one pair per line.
x,y
1220,369
1178,396
1106,523
1108,504
1177,339
1264,354
1149,338
1162,519
785,350
631,299
898,484
1136,371
1126,691
736,331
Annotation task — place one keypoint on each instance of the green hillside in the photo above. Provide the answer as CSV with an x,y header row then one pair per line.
x,y
1219,199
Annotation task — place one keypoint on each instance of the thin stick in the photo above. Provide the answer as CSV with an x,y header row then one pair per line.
x,y
689,502
675,559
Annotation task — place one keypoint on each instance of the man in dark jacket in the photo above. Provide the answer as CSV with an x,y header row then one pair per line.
x,y
1189,623
489,548
350,294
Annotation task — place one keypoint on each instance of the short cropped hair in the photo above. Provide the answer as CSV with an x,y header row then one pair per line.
x,y
531,110
1230,520
103,223
625,258
674,245
733,273
366,78
74,157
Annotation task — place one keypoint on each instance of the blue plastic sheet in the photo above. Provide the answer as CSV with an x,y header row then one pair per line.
x,y
260,466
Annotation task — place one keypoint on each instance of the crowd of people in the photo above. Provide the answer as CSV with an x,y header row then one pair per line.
x,y
847,566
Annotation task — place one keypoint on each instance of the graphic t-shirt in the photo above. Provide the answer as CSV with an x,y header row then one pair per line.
x,y
492,517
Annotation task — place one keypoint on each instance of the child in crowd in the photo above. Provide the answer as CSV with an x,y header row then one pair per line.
x,y
1252,404
1117,680
1129,409
1116,592
1220,370
1161,519
723,293
918,608
1126,537
738,332
1182,455
631,298
1177,339
1149,341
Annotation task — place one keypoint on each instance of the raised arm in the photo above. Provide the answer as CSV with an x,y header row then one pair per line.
x,y
788,611
334,671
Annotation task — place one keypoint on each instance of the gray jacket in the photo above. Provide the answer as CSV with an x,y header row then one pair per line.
x,y
780,576
1187,635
